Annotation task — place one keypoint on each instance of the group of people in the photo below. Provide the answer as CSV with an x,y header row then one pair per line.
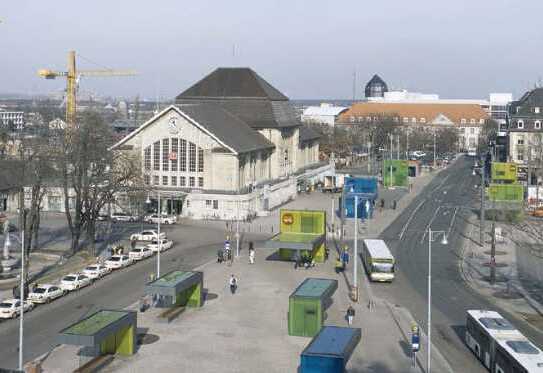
x,y
225,253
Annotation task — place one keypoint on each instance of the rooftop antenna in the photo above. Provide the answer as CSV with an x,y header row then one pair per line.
x,y
157,104
354,85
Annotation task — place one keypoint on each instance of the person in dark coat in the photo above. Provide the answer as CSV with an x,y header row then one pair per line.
x,y
350,314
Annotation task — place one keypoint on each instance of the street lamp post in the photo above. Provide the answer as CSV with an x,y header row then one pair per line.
x,y
22,293
159,239
431,234
434,148
355,259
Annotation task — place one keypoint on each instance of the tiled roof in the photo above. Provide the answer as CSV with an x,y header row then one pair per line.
x,y
233,83
228,128
428,111
243,93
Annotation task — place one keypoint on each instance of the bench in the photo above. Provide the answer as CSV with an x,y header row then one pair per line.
x,y
170,313
95,364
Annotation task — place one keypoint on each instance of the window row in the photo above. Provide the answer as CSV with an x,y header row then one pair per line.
x,y
173,181
409,120
173,155
520,124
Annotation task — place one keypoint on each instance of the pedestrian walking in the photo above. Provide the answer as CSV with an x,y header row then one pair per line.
x,y
251,253
382,205
394,205
350,315
233,282
220,256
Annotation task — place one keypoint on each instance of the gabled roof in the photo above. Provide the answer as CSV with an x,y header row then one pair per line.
x,y
222,126
232,131
428,111
232,83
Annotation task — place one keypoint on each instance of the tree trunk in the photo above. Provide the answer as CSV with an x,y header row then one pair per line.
x,y
91,235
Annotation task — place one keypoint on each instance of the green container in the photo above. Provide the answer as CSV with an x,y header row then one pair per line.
x,y
504,172
506,192
307,305
395,173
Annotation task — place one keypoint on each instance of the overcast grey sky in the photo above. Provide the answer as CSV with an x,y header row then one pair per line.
x,y
307,49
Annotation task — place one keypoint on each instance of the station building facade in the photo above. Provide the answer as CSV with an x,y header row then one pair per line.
x,y
231,146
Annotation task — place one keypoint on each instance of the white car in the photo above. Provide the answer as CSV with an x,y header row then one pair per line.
x,y
46,293
96,271
148,235
121,216
118,261
140,252
165,245
11,308
74,281
164,219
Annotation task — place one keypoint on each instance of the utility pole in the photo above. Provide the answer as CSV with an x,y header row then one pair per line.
x,y
398,145
22,291
493,255
429,347
434,148
159,239
237,230
482,212
406,143
355,259
390,182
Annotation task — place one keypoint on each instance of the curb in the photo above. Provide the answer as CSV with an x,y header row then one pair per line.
x,y
436,354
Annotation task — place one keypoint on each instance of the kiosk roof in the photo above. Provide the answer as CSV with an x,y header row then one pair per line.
x,y
94,323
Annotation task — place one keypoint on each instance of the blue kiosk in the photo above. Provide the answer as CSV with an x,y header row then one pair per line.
x,y
366,189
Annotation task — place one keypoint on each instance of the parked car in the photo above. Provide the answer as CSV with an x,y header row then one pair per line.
x,y
140,252
96,271
11,308
121,216
419,154
164,245
148,235
164,219
103,217
74,281
46,293
118,261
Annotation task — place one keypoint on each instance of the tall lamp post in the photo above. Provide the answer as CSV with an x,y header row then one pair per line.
x,y
431,236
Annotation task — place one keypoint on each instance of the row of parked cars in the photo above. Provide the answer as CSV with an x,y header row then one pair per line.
x,y
45,293
129,218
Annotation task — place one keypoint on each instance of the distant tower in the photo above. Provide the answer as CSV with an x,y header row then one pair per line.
x,y
123,109
376,87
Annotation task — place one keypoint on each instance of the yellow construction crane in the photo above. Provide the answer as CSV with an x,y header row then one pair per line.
x,y
72,79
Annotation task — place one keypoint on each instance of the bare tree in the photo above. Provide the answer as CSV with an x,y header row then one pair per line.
x,y
92,175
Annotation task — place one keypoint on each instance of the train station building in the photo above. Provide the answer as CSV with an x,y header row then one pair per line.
x,y
231,146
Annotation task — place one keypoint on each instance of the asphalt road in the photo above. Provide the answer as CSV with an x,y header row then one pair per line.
x,y
194,246
441,206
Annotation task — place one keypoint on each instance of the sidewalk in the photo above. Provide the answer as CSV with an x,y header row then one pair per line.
x,y
247,332
518,264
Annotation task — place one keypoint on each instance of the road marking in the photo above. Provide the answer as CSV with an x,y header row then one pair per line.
x,y
429,224
452,222
411,218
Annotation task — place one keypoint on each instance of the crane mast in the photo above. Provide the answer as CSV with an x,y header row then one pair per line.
x,y
72,77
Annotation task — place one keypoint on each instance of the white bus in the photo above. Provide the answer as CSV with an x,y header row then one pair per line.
x,y
378,261
499,345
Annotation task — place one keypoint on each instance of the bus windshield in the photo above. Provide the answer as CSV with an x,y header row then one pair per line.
x,y
382,267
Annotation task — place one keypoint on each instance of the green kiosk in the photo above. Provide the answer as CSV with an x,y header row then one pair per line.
x,y
307,305
178,288
104,333
395,173
301,232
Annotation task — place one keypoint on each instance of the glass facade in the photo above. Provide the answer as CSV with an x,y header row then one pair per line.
x,y
172,159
